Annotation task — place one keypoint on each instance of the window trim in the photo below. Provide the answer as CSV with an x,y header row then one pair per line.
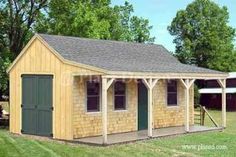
x,y
86,98
126,98
177,93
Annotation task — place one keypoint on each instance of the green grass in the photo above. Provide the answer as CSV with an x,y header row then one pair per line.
x,y
16,146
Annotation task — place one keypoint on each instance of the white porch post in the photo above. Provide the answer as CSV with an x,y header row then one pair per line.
x,y
187,84
105,85
150,83
222,83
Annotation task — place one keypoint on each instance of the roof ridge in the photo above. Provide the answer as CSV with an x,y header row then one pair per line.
x,y
105,40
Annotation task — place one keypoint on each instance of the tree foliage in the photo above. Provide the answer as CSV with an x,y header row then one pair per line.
x,y
203,36
17,19
94,19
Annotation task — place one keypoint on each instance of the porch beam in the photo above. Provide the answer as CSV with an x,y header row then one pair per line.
x,y
105,85
159,76
150,83
222,83
187,84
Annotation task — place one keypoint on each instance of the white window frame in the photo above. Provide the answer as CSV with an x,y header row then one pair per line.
x,y
177,93
86,98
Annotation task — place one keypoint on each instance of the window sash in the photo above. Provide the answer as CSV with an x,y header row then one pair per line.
x,y
120,95
172,93
93,98
172,99
118,100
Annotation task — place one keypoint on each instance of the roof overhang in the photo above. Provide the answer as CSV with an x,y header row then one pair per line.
x,y
139,75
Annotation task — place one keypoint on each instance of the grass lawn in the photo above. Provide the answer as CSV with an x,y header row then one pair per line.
x,y
14,146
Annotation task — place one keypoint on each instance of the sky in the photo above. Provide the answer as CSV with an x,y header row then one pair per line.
x,y
161,12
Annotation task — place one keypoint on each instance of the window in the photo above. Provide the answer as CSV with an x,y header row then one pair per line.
x,y
119,95
171,92
93,98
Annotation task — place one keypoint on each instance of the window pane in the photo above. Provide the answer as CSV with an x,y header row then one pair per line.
x,y
92,88
172,86
119,102
119,96
92,96
119,88
93,103
172,92
172,98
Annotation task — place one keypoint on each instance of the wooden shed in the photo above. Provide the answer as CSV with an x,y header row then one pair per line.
x,y
70,88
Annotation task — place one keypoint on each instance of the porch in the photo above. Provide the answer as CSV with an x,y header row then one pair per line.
x,y
143,135
106,123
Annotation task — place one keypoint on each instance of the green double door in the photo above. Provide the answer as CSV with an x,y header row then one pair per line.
x,y
37,104
142,106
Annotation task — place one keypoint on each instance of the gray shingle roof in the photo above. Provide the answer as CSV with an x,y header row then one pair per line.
x,y
119,56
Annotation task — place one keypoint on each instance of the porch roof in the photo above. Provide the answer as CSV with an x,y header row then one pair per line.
x,y
120,56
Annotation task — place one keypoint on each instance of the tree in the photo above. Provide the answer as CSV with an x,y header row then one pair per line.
x,y
94,19
134,28
17,20
4,63
203,36
4,58
140,30
87,18
19,17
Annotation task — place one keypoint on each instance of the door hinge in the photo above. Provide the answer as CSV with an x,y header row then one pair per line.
x,y
51,134
22,131
52,108
21,105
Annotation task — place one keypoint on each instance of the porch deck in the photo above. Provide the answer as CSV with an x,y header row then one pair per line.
x,y
142,135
